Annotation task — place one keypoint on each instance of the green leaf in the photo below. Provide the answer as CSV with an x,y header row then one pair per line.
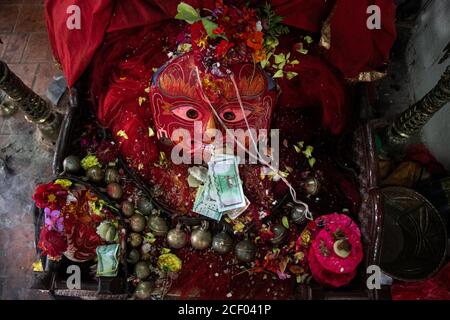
x,y
210,27
278,74
264,63
165,250
187,13
308,39
280,58
311,162
291,74
294,62
308,151
285,222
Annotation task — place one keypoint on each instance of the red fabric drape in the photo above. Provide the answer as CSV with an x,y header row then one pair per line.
x,y
354,47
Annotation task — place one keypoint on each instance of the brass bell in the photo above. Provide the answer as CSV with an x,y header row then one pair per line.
x,y
298,213
279,234
222,242
201,238
95,174
72,164
112,175
144,206
311,186
177,238
157,225
245,251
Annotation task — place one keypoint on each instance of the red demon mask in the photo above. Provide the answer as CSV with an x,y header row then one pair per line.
x,y
177,103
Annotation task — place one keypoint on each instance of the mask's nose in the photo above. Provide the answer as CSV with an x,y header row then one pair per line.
x,y
208,137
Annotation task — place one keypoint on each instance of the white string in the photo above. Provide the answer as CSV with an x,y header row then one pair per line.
x,y
292,191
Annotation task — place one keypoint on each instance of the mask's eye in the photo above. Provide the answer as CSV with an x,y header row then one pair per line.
x,y
234,114
188,113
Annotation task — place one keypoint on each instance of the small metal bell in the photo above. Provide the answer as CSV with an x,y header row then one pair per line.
x,y
144,205
158,225
114,190
201,238
279,234
127,208
298,213
311,186
112,175
95,174
177,238
142,270
222,242
137,222
72,164
245,251
133,256
144,290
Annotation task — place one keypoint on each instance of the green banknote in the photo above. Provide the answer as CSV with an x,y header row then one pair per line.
x,y
108,260
225,182
206,202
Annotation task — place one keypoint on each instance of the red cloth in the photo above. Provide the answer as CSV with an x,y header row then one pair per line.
x,y
354,47
436,288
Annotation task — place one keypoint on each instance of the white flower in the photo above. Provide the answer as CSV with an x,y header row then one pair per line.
x,y
259,26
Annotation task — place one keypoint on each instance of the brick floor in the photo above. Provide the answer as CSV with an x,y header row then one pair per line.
x,y
27,52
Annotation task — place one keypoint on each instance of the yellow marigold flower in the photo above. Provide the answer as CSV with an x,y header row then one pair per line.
x,y
89,162
63,183
306,237
37,266
169,262
122,134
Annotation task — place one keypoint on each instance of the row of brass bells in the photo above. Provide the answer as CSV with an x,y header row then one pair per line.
x,y
144,206
201,238
177,238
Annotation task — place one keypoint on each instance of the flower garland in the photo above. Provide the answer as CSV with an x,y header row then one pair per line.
x,y
228,35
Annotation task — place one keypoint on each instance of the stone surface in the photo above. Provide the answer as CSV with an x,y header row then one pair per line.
x,y
25,48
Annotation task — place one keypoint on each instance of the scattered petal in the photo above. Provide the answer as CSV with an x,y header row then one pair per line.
x,y
308,39
291,74
122,134
285,222
278,74
37,266
142,100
